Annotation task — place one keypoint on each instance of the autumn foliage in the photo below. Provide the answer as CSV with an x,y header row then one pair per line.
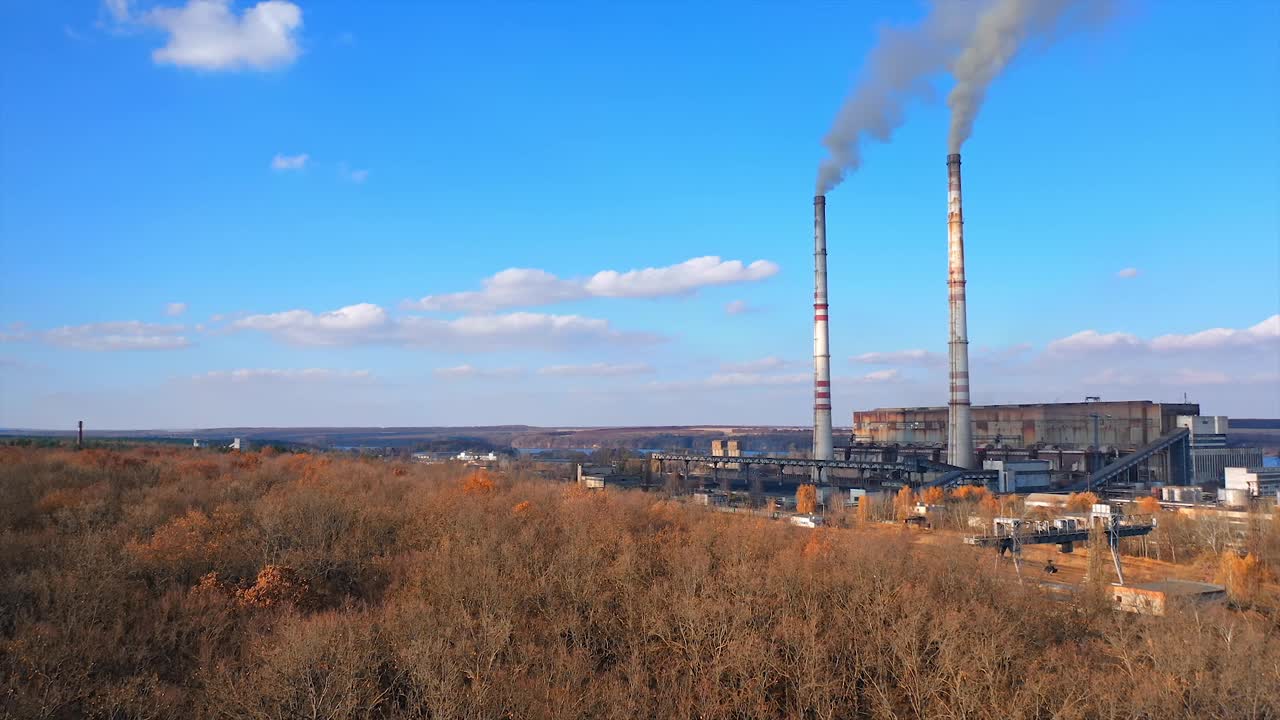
x,y
806,499
1082,502
149,585
1147,506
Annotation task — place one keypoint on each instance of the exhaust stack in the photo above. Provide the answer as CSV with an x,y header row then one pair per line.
x,y
959,419
822,449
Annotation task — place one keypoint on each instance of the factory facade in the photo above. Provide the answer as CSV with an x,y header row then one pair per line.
x,y
1124,425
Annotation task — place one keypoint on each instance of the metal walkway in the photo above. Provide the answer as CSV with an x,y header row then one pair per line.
x,y
959,476
1128,527
909,465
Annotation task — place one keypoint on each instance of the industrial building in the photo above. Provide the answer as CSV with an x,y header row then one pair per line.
x,y
1256,481
1123,425
1154,598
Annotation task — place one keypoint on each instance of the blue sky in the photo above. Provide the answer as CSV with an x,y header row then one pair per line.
x,y
151,154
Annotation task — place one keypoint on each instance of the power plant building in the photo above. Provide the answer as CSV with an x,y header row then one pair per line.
x,y
1123,425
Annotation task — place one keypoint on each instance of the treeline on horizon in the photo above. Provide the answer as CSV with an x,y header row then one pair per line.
x,y
163,582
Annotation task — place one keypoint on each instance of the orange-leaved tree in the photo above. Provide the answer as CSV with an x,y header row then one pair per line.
x,y
1082,501
933,496
806,499
1147,506
1241,574
970,493
904,502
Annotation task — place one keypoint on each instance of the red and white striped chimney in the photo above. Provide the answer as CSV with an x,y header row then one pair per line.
x,y
822,449
959,418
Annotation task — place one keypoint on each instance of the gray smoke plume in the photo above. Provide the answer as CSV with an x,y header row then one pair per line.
x,y
1002,31
975,39
899,68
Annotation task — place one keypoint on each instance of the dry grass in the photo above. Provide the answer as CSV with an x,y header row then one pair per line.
x,y
176,583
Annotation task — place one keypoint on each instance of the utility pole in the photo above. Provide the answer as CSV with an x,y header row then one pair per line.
x,y
80,435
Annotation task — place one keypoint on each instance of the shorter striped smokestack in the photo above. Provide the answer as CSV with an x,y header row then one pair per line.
x,y
822,449
959,419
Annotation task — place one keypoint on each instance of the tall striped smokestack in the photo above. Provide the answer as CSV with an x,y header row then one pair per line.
x,y
821,338
959,419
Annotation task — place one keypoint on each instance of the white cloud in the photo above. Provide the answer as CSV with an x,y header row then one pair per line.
x,y
362,322
531,287
174,309
878,376
290,375
119,9
1188,376
358,176
470,371
756,379
1094,341
920,358
509,288
596,370
739,307
208,35
1266,331
764,364
122,335
681,279
1128,273
289,162
366,323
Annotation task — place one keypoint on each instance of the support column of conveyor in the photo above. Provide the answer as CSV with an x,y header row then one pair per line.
x,y
1176,443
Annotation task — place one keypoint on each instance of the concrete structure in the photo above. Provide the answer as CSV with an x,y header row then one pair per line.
x,y
591,482
1257,481
1211,463
1046,500
959,420
468,456
1020,476
1125,425
1186,494
727,448
1207,431
1155,598
1230,497
822,441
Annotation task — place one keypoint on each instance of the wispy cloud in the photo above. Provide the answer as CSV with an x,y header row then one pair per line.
x,y
747,379
765,364
527,287
174,309
458,372
289,162
599,369
1267,331
1129,272
918,358
245,375
1263,333
366,323
122,335
739,307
